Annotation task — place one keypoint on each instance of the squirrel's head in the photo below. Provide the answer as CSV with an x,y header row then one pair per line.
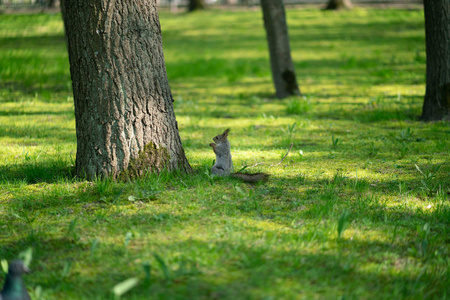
x,y
221,137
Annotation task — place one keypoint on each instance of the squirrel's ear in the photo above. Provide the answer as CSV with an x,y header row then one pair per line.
x,y
225,133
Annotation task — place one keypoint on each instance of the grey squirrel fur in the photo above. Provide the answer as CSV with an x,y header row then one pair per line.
x,y
224,163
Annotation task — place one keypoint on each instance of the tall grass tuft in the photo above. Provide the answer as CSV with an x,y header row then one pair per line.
x,y
298,105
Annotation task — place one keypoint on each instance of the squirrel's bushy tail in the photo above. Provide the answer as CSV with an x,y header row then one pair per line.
x,y
251,178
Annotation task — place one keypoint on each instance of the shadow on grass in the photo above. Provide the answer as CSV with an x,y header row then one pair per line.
x,y
49,42
233,37
255,261
364,72
321,197
44,133
258,270
403,112
20,112
49,171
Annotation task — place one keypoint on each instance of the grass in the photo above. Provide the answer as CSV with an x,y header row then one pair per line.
x,y
359,209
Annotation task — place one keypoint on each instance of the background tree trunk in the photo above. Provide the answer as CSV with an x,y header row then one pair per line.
x,y
436,105
283,71
123,104
196,5
338,4
174,5
51,3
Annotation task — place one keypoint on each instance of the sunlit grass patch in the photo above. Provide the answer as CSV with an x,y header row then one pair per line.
x,y
298,105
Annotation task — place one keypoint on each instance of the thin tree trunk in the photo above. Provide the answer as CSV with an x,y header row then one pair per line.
x,y
338,4
174,5
125,122
436,105
283,71
196,5
51,3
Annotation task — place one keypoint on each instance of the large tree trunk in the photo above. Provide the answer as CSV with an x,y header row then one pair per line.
x,y
436,105
196,5
125,122
338,4
283,71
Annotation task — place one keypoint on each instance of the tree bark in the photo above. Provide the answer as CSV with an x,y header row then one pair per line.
x,y
283,71
436,105
196,5
174,5
125,122
338,4
51,3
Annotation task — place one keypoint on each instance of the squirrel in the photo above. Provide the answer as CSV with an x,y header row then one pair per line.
x,y
224,164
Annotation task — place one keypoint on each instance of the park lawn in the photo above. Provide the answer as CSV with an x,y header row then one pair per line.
x,y
359,208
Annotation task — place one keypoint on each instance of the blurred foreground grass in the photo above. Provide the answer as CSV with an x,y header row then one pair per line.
x,y
360,160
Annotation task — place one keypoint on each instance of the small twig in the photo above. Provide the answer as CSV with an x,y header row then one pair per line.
x,y
263,163
257,164
292,144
